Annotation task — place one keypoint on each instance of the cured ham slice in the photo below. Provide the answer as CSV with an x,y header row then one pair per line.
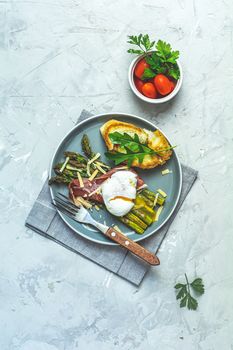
x,y
91,189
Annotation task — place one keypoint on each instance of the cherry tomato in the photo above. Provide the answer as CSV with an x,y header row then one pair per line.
x,y
149,90
162,84
172,85
140,67
138,83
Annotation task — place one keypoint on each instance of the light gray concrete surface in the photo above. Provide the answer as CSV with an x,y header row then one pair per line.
x,y
58,57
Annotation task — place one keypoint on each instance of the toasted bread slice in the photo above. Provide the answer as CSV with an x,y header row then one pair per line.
x,y
121,127
154,140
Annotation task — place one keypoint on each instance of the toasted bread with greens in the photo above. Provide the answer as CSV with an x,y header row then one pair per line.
x,y
154,140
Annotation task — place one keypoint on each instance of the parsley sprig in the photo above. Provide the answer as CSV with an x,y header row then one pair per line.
x,y
131,149
142,41
184,294
162,59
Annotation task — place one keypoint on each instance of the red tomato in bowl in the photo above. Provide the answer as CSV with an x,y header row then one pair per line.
x,y
173,85
162,84
149,90
138,83
140,67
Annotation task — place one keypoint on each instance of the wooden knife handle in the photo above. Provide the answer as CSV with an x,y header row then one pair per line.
x,y
135,248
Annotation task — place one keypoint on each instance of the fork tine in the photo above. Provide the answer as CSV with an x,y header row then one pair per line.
x,y
66,206
60,204
64,210
67,200
68,203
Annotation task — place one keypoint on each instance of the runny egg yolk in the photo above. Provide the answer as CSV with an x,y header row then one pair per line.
x,y
119,192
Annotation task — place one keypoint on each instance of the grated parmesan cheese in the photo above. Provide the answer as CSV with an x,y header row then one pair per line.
x,y
155,200
69,167
100,168
94,158
81,184
166,171
102,165
96,191
163,194
88,169
86,204
93,175
158,212
64,164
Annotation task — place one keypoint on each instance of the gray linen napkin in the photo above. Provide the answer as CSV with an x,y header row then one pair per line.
x,y
44,219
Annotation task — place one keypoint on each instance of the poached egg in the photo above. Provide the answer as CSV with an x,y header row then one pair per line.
x,y
119,192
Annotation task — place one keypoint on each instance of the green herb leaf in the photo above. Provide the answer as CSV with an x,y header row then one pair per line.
x,y
146,42
187,300
164,51
132,143
179,285
182,292
137,52
173,71
173,57
148,74
131,149
162,60
192,303
183,301
143,41
198,286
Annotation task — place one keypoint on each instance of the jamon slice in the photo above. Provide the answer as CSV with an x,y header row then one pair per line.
x,y
92,188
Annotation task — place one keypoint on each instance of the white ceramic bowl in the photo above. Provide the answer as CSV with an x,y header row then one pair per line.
x,y
147,99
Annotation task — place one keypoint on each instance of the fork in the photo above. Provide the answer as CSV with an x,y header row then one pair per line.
x,y
80,214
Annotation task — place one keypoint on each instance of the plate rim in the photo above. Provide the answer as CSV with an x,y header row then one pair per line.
x,y
96,116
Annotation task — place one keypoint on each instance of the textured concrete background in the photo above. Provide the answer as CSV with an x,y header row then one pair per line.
x,y
58,57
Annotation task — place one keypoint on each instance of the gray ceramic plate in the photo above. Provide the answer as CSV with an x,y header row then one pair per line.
x,y
170,183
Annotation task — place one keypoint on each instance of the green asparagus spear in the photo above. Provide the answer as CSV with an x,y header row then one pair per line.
x,y
66,172
76,156
142,215
145,199
132,225
134,218
86,147
160,200
59,179
76,164
151,196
